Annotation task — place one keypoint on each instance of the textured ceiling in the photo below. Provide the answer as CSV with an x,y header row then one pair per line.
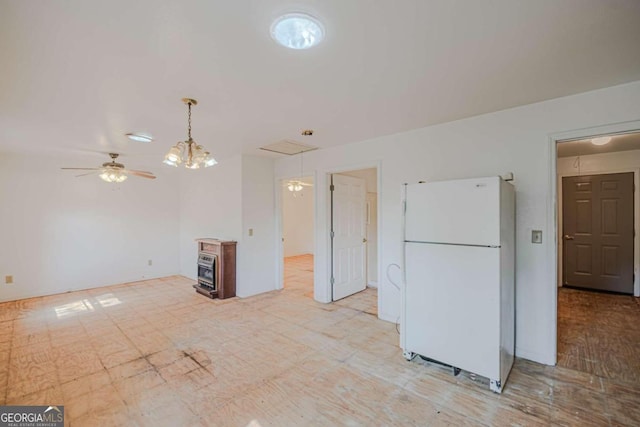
x,y
77,75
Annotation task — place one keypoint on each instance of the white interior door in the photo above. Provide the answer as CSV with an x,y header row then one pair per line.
x,y
348,226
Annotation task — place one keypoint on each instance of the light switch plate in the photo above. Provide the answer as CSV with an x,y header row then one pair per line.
x,y
251,232
8,280
536,236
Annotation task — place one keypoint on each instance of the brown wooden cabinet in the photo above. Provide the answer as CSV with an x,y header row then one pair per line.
x,y
216,268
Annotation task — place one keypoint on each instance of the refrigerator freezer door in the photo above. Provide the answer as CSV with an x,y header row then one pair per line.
x,y
465,211
452,306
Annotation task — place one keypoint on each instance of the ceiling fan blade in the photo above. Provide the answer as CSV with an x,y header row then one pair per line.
x,y
306,184
81,169
144,172
89,173
141,175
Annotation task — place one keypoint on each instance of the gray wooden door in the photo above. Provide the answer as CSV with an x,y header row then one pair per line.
x,y
597,212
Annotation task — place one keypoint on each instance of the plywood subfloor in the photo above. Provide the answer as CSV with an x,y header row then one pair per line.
x,y
298,276
155,353
599,333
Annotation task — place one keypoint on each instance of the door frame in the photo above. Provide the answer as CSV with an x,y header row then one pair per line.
x,y
636,221
321,224
552,209
322,271
326,233
279,191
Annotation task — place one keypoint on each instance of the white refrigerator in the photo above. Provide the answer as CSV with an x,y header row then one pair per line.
x,y
458,299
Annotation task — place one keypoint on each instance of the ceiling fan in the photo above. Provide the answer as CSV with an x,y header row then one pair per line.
x,y
113,171
296,185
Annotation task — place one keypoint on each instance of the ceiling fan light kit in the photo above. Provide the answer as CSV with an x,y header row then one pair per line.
x,y
113,176
294,186
188,152
112,171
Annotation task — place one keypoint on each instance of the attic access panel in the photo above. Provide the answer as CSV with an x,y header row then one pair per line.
x,y
288,147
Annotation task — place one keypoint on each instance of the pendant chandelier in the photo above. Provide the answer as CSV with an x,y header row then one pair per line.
x,y
188,152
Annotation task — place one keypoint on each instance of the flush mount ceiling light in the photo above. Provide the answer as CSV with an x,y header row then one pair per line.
x,y
139,137
297,31
602,140
189,152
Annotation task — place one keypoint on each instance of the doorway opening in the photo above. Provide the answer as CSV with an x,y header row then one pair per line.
x,y
598,212
297,204
354,239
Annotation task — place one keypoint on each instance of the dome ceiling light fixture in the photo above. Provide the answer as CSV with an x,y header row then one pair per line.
x,y
189,152
601,140
297,31
139,137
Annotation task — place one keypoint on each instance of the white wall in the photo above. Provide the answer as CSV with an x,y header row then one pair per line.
x,y
223,202
620,161
297,220
210,206
257,253
60,233
516,140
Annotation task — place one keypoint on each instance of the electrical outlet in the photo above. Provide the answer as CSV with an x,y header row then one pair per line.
x,y
536,236
8,280
150,262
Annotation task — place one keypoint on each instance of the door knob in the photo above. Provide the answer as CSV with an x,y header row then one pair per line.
x,y
364,240
567,237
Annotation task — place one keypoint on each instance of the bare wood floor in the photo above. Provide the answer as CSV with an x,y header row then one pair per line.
x,y
155,353
599,333
298,273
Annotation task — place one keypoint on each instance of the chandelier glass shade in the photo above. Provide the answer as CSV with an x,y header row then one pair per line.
x,y
189,153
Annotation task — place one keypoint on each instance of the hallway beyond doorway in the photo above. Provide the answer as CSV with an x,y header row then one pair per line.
x,y
298,278
598,333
